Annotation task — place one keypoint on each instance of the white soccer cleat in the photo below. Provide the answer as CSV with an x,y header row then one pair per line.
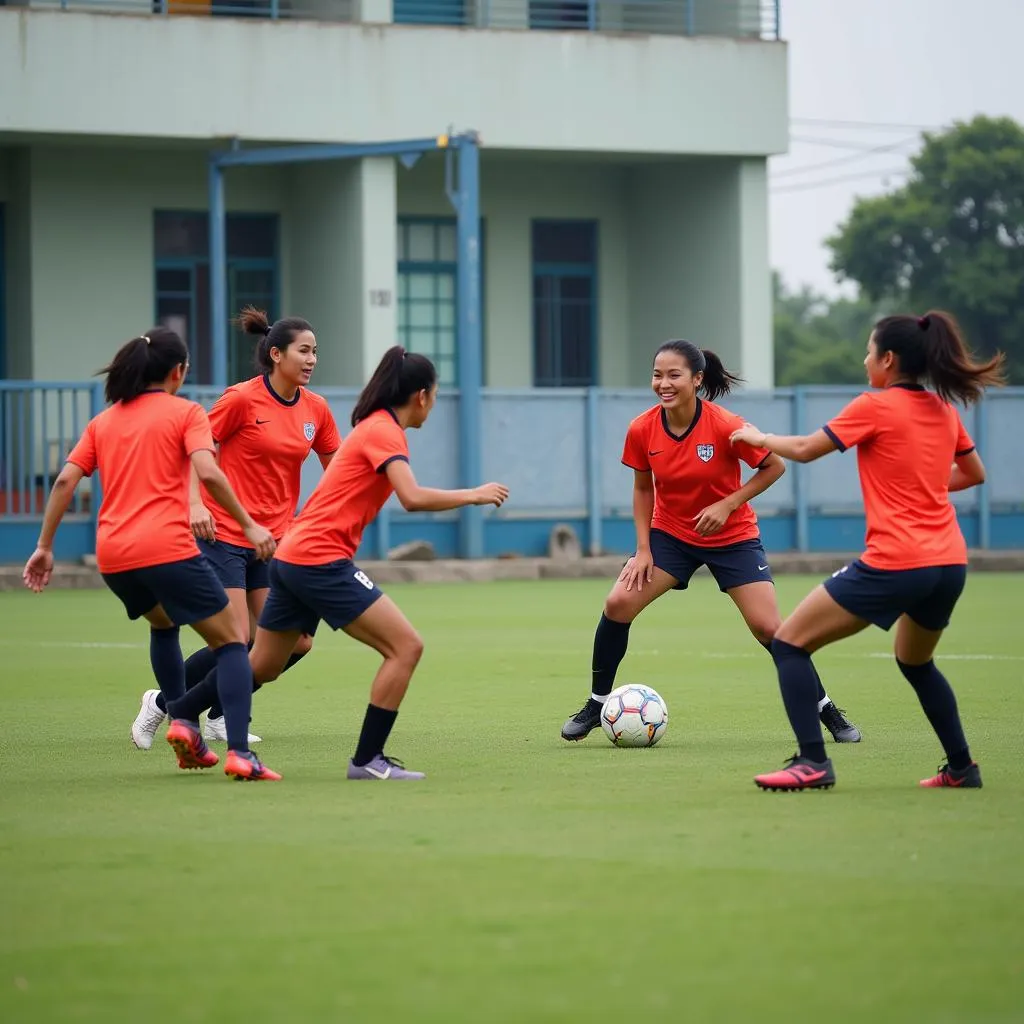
x,y
216,730
147,721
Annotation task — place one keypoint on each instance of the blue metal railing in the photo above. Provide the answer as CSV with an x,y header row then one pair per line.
x,y
558,450
739,19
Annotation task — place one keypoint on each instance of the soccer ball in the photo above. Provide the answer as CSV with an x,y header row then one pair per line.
x,y
634,715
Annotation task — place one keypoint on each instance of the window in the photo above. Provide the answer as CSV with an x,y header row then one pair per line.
x,y
429,12
563,15
182,265
427,268
564,303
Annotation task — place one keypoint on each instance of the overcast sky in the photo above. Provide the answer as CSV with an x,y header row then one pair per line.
x,y
892,62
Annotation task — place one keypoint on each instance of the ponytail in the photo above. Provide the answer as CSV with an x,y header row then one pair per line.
x,y
278,335
399,375
717,381
932,347
143,362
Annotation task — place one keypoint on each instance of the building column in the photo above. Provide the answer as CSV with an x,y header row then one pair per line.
x,y
342,241
698,264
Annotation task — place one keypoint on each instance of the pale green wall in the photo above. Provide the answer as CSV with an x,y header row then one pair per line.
x,y
513,192
581,92
17,262
698,263
342,223
92,243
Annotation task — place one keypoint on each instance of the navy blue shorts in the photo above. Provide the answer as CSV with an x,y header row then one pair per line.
x,y
733,565
301,595
881,596
236,567
188,591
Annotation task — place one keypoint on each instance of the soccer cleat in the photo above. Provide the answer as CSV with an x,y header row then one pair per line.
x,y
583,723
216,730
834,719
245,766
382,768
188,744
147,721
967,778
799,773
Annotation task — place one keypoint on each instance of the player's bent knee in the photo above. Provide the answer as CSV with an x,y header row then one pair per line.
x,y
304,644
619,607
764,633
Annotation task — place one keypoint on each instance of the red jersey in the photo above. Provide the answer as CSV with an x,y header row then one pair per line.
x,y
264,440
143,451
693,470
907,439
350,494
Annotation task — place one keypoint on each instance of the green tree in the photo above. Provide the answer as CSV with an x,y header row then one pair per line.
x,y
951,238
818,340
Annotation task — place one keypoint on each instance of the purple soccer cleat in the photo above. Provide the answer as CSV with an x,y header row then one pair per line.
x,y
382,768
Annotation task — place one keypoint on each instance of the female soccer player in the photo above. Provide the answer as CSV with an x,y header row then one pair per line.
x,y
144,445
264,429
690,509
914,567
314,578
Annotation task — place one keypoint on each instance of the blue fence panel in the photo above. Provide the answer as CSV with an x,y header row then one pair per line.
x,y
558,449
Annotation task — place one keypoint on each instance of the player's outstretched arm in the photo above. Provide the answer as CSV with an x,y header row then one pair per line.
x,y
214,480
39,567
968,471
431,499
796,448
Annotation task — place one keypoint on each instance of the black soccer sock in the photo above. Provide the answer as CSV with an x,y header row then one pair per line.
x,y
195,701
610,642
293,659
168,667
939,704
216,711
822,695
376,729
234,688
798,683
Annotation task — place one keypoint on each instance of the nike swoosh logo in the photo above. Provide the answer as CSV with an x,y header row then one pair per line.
x,y
260,422
658,452
761,568
376,774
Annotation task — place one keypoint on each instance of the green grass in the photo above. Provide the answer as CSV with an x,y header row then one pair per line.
x,y
526,879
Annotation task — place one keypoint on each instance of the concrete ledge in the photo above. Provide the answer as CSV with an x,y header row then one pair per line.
x,y
83,577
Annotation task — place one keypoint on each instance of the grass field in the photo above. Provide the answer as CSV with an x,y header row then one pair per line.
x,y
526,879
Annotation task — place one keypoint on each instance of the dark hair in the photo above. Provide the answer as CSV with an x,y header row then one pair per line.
x,y
717,380
932,347
278,335
143,361
399,375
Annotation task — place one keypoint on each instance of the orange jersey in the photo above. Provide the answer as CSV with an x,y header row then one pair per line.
x,y
350,494
264,441
142,449
693,471
907,439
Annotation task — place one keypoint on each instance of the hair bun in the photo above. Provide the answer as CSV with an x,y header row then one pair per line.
x,y
924,322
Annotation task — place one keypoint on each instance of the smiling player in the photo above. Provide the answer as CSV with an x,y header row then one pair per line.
x,y
691,509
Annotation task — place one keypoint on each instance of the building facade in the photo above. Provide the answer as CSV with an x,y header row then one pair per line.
x,y
623,187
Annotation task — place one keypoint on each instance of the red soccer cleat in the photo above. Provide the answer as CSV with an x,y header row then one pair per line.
x,y
189,745
968,778
800,773
247,767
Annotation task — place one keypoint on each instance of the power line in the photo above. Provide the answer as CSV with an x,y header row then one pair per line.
x,y
868,125
860,147
839,160
804,186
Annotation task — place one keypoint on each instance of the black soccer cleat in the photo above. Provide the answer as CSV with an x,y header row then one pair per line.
x,y
584,722
834,719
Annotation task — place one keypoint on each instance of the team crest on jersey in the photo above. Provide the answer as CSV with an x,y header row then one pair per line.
x,y
705,452
309,429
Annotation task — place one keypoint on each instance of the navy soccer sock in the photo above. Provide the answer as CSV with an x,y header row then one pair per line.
x,y
799,685
939,704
